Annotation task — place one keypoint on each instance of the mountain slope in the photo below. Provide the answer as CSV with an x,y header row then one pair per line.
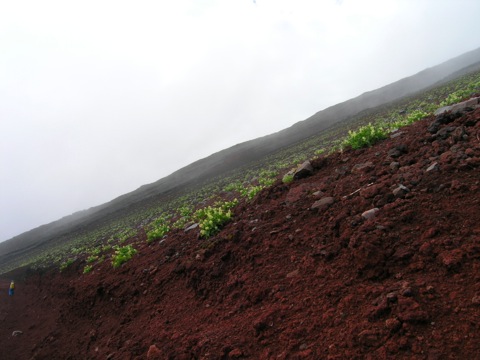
x,y
240,155
308,270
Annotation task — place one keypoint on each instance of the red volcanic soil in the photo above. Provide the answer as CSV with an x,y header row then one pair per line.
x,y
285,281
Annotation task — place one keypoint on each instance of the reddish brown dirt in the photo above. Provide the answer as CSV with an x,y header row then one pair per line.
x,y
283,281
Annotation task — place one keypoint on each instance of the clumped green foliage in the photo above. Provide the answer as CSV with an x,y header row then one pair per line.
x,y
287,178
158,229
87,269
408,120
212,219
462,93
92,258
252,191
365,136
122,255
158,232
66,264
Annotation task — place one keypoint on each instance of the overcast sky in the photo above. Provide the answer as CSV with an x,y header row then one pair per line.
x,y
100,97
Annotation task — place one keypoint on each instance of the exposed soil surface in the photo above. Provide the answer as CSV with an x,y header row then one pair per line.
x,y
285,281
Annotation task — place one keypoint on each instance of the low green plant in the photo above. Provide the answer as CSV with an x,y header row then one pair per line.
x,y
365,136
287,178
158,232
91,259
122,255
66,264
212,219
252,191
87,269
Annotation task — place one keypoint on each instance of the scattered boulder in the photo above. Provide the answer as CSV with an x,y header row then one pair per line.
x,y
369,214
394,165
442,119
323,203
191,227
303,171
235,353
363,168
400,191
397,151
433,167
154,353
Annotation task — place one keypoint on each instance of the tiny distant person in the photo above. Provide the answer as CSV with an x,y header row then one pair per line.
x,y
11,290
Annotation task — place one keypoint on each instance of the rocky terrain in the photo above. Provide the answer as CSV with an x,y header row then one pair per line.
x,y
368,254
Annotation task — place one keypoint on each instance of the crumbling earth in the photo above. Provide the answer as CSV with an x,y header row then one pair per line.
x,y
374,255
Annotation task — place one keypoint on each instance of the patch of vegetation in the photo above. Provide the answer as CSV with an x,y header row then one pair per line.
x,y
287,178
158,229
87,269
212,219
66,264
365,136
122,255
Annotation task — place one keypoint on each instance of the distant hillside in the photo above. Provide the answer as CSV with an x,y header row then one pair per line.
x,y
244,153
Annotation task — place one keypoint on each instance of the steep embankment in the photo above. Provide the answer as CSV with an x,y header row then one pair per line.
x,y
301,272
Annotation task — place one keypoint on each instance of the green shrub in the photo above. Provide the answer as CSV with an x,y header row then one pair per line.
x,y
158,232
211,219
252,191
287,178
122,255
415,116
158,229
87,269
66,264
92,258
365,136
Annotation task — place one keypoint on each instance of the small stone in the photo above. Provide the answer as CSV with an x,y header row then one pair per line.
x,y
363,168
407,292
396,134
17,333
235,353
369,214
393,324
397,151
304,170
392,297
154,353
400,191
323,203
292,274
191,227
394,165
